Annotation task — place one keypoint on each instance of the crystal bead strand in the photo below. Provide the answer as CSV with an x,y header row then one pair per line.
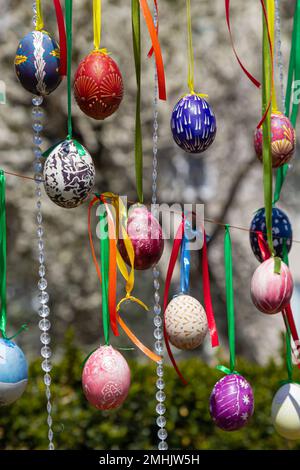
x,y
279,52
158,321
43,296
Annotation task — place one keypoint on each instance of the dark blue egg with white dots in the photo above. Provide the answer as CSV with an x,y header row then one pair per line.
x,y
281,229
193,124
37,63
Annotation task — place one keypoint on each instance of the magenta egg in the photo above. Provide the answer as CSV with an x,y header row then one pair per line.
x,y
146,236
231,402
283,140
271,292
106,378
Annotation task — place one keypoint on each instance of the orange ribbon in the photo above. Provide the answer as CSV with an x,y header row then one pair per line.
x,y
113,310
157,50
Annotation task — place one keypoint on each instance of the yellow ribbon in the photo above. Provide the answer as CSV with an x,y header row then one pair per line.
x,y
133,299
97,24
121,221
191,65
271,19
39,17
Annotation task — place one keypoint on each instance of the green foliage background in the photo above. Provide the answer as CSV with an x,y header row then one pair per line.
x,y
78,426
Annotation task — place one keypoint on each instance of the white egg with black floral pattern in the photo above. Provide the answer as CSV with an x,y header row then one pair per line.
x,y
69,174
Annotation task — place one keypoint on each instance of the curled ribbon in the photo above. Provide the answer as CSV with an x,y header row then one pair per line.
x,y
113,309
150,53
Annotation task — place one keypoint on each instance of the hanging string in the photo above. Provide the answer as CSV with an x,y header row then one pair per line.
x,y
97,23
229,303
69,19
291,105
138,147
39,25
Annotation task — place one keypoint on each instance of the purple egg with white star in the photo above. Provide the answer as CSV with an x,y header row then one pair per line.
x,y
231,402
281,230
193,124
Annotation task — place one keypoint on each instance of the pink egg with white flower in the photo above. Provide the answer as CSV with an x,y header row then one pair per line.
x,y
271,292
106,378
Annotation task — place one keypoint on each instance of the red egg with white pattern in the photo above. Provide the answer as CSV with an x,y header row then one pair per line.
x,y
98,85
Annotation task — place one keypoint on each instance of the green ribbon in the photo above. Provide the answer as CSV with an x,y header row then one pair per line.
x,y
80,148
288,359
3,265
229,303
3,319
136,37
293,75
104,248
267,153
69,15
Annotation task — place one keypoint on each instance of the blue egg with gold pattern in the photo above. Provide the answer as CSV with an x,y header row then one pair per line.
x,y
193,124
37,63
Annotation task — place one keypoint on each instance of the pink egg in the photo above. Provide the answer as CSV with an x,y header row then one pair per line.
x,y
283,139
146,236
106,378
271,292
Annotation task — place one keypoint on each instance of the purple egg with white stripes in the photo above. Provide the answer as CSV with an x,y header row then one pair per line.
x,y
193,124
231,402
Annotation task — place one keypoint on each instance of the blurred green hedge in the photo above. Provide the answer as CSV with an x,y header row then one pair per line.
x,y
79,426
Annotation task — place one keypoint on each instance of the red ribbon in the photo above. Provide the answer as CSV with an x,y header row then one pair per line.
x,y
263,246
157,50
287,312
172,263
207,296
251,77
62,37
150,53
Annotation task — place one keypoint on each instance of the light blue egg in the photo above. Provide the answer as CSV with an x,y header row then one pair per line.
x,y
13,372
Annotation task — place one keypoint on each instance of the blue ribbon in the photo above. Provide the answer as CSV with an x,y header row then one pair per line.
x,y
185,265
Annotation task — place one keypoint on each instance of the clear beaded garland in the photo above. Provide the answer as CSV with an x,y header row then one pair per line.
x,y
157,320
43,296
279,59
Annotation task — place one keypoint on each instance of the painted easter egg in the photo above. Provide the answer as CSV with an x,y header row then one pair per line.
x,y
193,124
271,292
37,63
106,378
69,174
98,85
146,236
13,372
286,411
231,402
281,230
283,138
186,322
